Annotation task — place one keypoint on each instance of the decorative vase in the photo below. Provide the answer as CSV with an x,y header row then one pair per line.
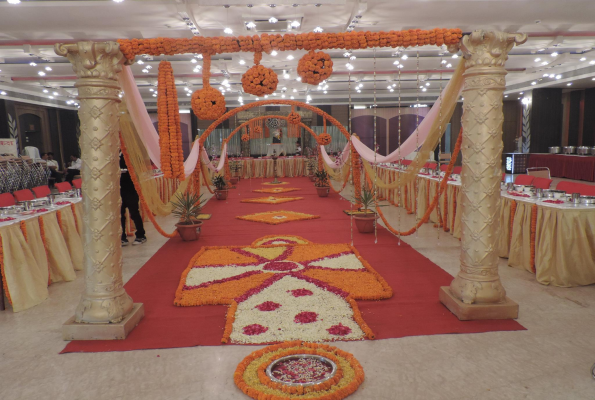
x,y
221,194
323,191
365,223
189,232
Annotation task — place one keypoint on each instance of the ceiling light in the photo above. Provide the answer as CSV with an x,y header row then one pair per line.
x,y
521,92
533,83
295,24
583,59
554,54
392,90
394,85
349,66
32,64
400,66
273,53
199,56
443,61
290,57
318,29
347,54
537,59
242,62
13,2
118,1
558,76
55,93
352,58
359,91
396,62
544,63
286,75
3,93
404,57
41,73
196,70
148,67
541,50
294,90
299,79
273,20
251,25
455,56
45,91
150,90
140,62
146,71
324,92
569,84
266,96
292,97
282,96
427,83
389,87
51,97
48,68
193,61
545,75
448,65
424,90
592,62
229,31
552,76
505,95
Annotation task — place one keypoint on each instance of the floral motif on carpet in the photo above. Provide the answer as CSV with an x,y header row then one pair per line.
x,y
278,183
277,217
284,287
271,199
276,190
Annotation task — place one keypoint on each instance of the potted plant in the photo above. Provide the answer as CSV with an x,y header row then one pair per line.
x,y
221,189
365,217
322,183
187,207
235,167
311,167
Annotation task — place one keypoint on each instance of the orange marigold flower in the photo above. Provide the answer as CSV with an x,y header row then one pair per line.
x,y
314,67
259,81
245,137
208,103
294,118
324,139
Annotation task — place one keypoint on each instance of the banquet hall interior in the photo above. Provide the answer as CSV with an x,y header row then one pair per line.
x,y
359,199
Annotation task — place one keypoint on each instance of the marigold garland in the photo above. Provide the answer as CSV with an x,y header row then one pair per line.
x,y
250,376
24,230
4,282
294,118
289,41
45,245
170,133
259,80
207,103
245,137
76,225
532,236
314,67
277,217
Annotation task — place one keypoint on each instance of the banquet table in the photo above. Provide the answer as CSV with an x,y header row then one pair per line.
x,y
278,148
566,165
554,241
39,249
263,167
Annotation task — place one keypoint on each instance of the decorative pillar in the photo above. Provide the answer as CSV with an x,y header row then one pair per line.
x,y
105,310
476,292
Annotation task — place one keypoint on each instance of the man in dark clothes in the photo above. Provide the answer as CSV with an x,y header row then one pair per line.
x,y
130,201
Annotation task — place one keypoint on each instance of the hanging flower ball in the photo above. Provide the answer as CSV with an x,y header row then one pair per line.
x,y
259,81
245,137
208,103
257,129
324,139
294,118
314,67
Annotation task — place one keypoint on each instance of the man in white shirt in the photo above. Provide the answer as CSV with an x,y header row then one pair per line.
x,y
74,169
52,166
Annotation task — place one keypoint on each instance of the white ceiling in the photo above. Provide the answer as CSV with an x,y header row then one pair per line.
x,y
29,30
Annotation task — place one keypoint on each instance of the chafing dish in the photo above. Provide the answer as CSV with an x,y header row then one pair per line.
x,y
558,194
27,204
529,189
569,149
39,202
554,149
10,210
588,200
583,150
518,188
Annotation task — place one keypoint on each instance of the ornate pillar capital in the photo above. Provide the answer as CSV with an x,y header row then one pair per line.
x,y
104,300
489,48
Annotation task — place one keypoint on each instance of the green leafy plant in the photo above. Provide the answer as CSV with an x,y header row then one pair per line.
x,y
310,165
235,166
219,182
187,206
321,178
367,199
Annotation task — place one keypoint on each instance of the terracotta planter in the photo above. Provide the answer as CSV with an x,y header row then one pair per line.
x,y
312,178
234,180
323,191
189,232
221,194
365,223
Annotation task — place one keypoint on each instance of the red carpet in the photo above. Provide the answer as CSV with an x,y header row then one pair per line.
x,y
413,310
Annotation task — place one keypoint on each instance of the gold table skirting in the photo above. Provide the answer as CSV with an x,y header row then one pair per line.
x,y
263,168
564,238
51,252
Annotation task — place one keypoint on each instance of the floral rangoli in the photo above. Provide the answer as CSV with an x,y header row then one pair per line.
x,y
284,288
275,190
271,199
277,217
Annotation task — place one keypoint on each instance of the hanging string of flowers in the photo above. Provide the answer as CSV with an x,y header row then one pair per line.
x,y
356,165
289,41
207,103
4,282
170,132
76,225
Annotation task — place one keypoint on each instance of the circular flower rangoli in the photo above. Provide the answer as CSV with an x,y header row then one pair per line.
x,y
299,370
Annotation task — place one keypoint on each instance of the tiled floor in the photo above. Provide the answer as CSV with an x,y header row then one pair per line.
x,y
551,360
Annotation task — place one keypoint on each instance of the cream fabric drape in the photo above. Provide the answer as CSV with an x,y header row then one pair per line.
x,y
504,238
61,267
72,238
519,255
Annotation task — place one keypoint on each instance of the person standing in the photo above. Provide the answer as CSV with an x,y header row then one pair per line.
x,y
130,201
74,169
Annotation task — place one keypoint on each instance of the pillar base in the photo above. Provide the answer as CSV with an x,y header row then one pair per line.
x,y
72,330
508,309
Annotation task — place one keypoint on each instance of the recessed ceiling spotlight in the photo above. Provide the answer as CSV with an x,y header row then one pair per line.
x,y
558,76
51,97
404,57
583,59
448,65
552,76
521,92
347,54
13,2
359,91
290,57
3,93
274,53
229,31
273,20
424,90
400,66
146,71
427,83
48,68
199,56
545,75
266,96
295,24
118,1
193,61
352,58
140,62
32,64
569,84
242,62
318,29
349,66
299,79
282,96
151,90
505,95
544,63
55,93
443,62
324,92
554,54
41,73
455,56
392,90
537,59
541,50
592,62
272,5
251,25
533,83
396,62
148,67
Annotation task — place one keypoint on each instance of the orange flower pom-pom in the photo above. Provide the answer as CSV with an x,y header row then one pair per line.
x,y
245,137
208,103
259,81
314,67
324,139
258,129
294,118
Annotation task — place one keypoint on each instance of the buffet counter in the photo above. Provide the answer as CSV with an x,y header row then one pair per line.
x,y
566,165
